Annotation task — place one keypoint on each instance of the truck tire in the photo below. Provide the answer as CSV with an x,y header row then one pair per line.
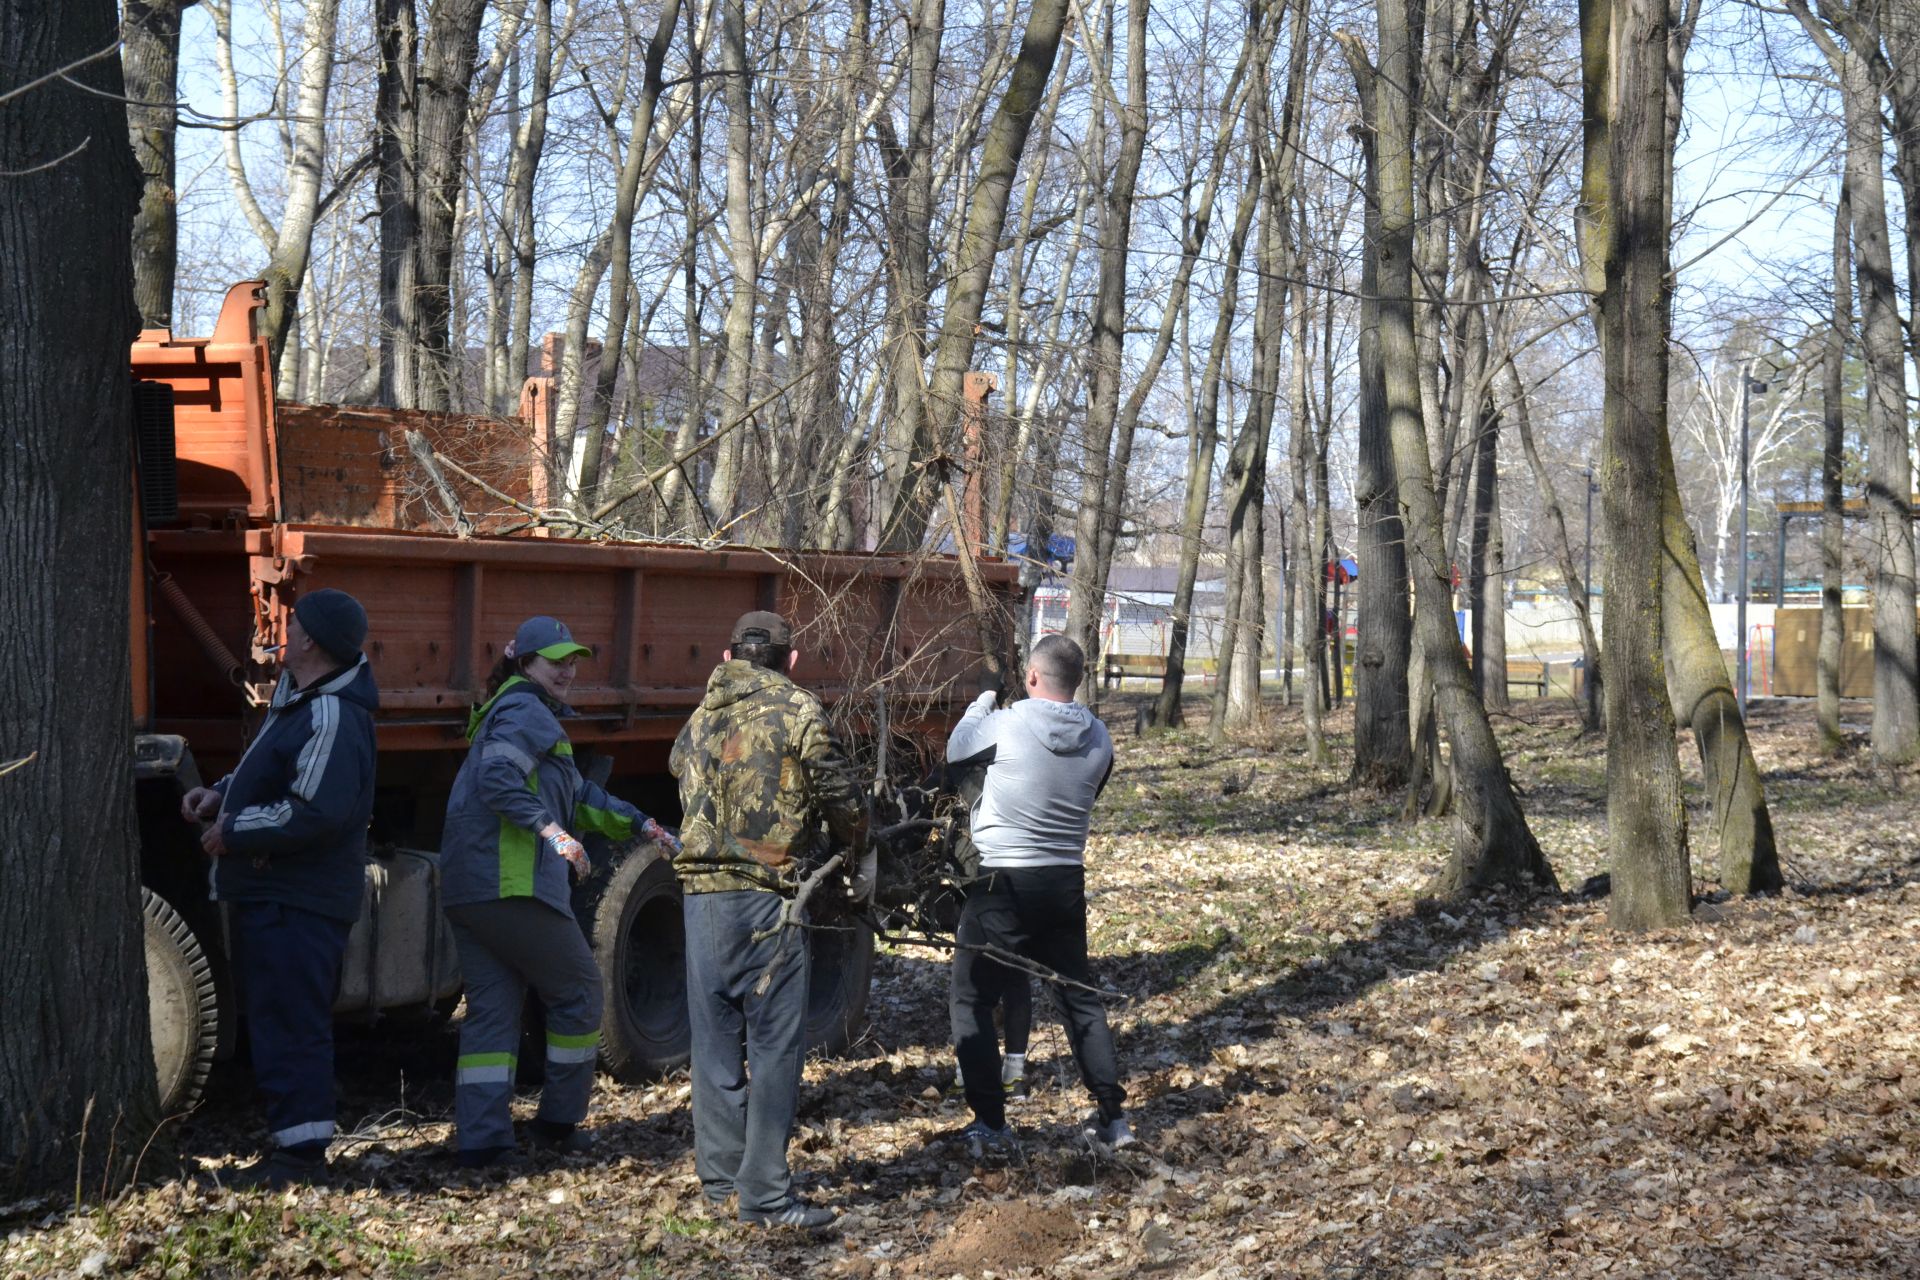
x,y
839,974
183,1005
640,942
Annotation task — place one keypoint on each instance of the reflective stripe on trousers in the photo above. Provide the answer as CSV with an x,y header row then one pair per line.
x,y
507,947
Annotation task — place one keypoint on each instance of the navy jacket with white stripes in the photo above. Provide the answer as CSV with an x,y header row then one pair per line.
x,y
294,811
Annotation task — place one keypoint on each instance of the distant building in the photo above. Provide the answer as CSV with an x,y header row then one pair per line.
x,y
1137,614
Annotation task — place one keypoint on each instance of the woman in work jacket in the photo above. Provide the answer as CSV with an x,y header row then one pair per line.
x,y
518,808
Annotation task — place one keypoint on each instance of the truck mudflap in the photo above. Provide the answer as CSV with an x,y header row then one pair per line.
x,y
400,953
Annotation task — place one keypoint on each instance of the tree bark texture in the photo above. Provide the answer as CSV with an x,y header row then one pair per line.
x,y
75,1050
1896,679
1382,736
396,103
1309,529
1896,648
742,256
1486,575
446,73
909,232
1492,843
1832,458
1646,818
150,58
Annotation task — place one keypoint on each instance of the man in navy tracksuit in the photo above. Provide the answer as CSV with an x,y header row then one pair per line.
x,y
287,832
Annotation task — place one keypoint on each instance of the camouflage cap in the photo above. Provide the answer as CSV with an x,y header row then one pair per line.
x,y
761,627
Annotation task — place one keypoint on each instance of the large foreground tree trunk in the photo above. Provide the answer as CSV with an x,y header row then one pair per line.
x,y
75,1051
1627,217
1492,843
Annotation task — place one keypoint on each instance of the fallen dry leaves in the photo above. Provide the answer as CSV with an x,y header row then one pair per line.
x,y
1330,1077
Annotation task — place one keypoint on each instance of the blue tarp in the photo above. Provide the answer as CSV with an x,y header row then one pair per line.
x,y
1060,547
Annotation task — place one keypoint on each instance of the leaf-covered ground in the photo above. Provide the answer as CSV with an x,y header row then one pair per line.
x,y
1330,1076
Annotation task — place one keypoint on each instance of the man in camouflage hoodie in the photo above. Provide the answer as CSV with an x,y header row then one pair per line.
x,y
765,790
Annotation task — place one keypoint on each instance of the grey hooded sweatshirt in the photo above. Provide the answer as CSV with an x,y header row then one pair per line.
x,y
1046,763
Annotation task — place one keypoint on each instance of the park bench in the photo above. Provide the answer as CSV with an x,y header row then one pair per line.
x,y
1528,675
1116,667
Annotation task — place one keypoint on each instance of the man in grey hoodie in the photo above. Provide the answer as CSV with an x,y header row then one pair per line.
x,y
1046,759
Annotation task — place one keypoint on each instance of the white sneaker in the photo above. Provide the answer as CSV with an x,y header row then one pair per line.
x,y
1114,1134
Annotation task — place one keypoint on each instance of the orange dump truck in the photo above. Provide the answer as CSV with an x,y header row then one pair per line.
x,y
246,503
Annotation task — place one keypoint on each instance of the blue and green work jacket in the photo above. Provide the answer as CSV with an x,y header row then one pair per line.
x,y
518,777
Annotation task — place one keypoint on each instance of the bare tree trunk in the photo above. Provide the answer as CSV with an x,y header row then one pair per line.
x,y
679,496
293,246
1486,582
1832,458
1205,437
1579,592
569,379
75,1049
1646,820
620,294
905,523
1697,682
1236,692
1015,455
1492,843
1382,741
1193,239
446,73
1309,532
150,56
1245,482
743,257
910,232
1107,351
1896,649
396,126
1898,71
518,240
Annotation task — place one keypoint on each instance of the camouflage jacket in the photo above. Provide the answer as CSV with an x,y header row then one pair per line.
x,y
763,784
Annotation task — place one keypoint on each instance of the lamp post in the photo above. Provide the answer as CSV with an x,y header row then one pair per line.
x,y
1749,387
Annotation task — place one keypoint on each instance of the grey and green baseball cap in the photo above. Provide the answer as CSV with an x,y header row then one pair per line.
x,y
547,637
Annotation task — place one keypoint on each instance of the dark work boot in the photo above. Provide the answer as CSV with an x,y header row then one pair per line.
x,y
560,1139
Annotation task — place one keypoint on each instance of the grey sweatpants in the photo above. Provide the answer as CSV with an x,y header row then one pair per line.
x,y
747,1048
505,948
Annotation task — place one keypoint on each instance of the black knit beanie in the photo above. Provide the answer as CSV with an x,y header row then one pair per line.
x,y
335,620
